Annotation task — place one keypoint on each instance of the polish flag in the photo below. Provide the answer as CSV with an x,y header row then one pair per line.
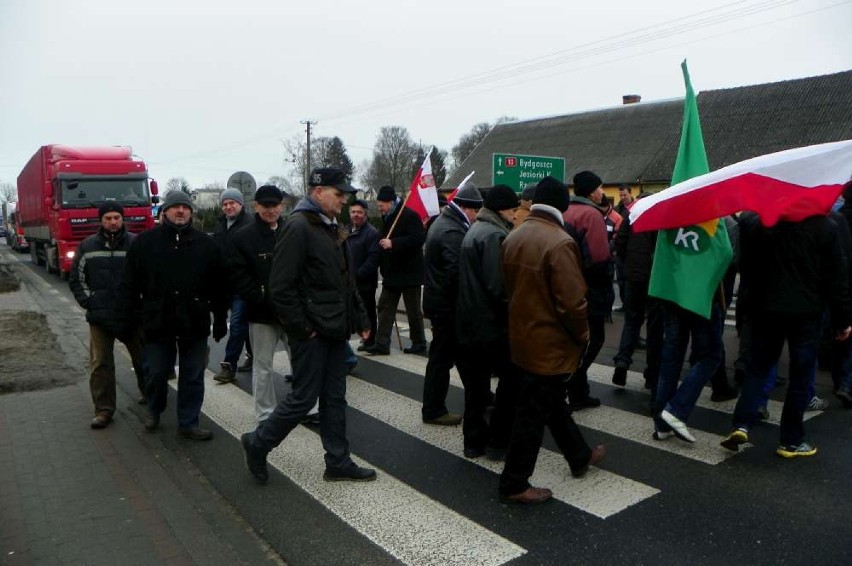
x,y
423,195
788,185
464,182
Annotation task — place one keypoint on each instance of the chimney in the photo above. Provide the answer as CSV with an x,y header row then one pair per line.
x,y
630,99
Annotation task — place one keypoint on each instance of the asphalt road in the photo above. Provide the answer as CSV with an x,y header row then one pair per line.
x,y
647,503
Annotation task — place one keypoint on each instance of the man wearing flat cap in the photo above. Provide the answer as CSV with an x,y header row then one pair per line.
x,y
482,327
94,280
440,295
314,294
250,263
173,277
402,272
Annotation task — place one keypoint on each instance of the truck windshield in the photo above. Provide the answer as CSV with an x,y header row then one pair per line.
x,y
87,193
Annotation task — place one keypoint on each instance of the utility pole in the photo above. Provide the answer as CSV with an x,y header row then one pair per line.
x,y
308,125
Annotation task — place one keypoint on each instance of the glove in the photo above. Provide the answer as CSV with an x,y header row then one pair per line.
x,y
220,328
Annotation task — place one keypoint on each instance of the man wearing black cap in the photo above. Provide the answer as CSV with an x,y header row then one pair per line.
x,y
173,277
313,291
94,280
402,272
548,332
443,245
250,261
584,221
482,327
363,243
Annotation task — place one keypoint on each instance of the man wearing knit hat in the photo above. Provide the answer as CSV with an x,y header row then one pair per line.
x,y
401,264
548,332
94,280
173,281
584,221
440,295
233,218
482,327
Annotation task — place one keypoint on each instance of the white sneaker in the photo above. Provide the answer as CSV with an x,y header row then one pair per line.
x,y
678,426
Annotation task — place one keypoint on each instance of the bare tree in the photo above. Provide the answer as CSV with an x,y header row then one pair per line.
x,y
177,184
325,152
216,185
393,156
8,192
470,140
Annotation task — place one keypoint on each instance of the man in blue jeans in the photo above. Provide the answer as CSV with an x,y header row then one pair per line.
x,y
172,278
233,218
790,273
314,293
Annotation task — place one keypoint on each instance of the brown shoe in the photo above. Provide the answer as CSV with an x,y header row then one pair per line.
x,y
101,420
598,454
447,419
531,496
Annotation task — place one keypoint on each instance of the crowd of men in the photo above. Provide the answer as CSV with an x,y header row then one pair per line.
x,y
515,286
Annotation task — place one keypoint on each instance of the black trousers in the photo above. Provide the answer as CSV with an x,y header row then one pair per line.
x,y
578,386
541,401
443,353
368,296
477,363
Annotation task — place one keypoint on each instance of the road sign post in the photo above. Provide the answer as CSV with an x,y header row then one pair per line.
x,y
517,171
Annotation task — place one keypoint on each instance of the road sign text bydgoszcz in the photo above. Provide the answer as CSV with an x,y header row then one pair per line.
x,y
517,171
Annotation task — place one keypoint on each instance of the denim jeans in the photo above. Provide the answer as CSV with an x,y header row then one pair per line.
x,y
802,335
192,358
679,325
238,331
319,371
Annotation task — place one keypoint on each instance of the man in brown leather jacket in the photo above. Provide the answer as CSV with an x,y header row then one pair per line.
x,y
548,333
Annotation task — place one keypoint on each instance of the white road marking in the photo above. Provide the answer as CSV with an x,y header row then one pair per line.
x,y
403,521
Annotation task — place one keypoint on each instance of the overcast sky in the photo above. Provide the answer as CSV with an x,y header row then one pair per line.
x,y
201,89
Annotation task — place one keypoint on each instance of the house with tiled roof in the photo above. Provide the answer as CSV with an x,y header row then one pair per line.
x,y
636,143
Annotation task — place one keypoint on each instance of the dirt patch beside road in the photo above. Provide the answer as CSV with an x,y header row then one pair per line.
x,y
30,356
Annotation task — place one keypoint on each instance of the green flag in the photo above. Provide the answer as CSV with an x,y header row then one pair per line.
x,y
689,262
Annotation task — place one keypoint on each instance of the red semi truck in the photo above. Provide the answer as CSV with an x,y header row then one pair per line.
x,y
60,190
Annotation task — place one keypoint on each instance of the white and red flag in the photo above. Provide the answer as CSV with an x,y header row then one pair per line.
x,y
423,195
788,185
464,182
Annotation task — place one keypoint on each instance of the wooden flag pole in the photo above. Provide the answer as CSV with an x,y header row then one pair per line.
x,y
395,220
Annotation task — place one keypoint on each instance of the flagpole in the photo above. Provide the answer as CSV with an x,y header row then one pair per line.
x,y
395,220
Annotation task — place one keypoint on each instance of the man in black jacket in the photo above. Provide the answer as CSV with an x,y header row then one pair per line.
x,y
443,245
250,264
402,272
363,243
233,218
173,277
482,326
313,291
791,274
94,280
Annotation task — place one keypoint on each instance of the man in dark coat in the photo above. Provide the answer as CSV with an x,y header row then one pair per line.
x,y
443,245
791,274
363,243
402,272
250,264
313,290
174,278
94,280
482,327
233,218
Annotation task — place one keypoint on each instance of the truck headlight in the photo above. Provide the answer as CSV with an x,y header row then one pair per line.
x,y
70,254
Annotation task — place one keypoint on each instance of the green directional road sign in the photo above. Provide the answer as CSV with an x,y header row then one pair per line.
x,y
517,171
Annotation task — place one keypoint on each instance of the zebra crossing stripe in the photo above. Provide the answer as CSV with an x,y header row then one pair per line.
x,y
404,522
